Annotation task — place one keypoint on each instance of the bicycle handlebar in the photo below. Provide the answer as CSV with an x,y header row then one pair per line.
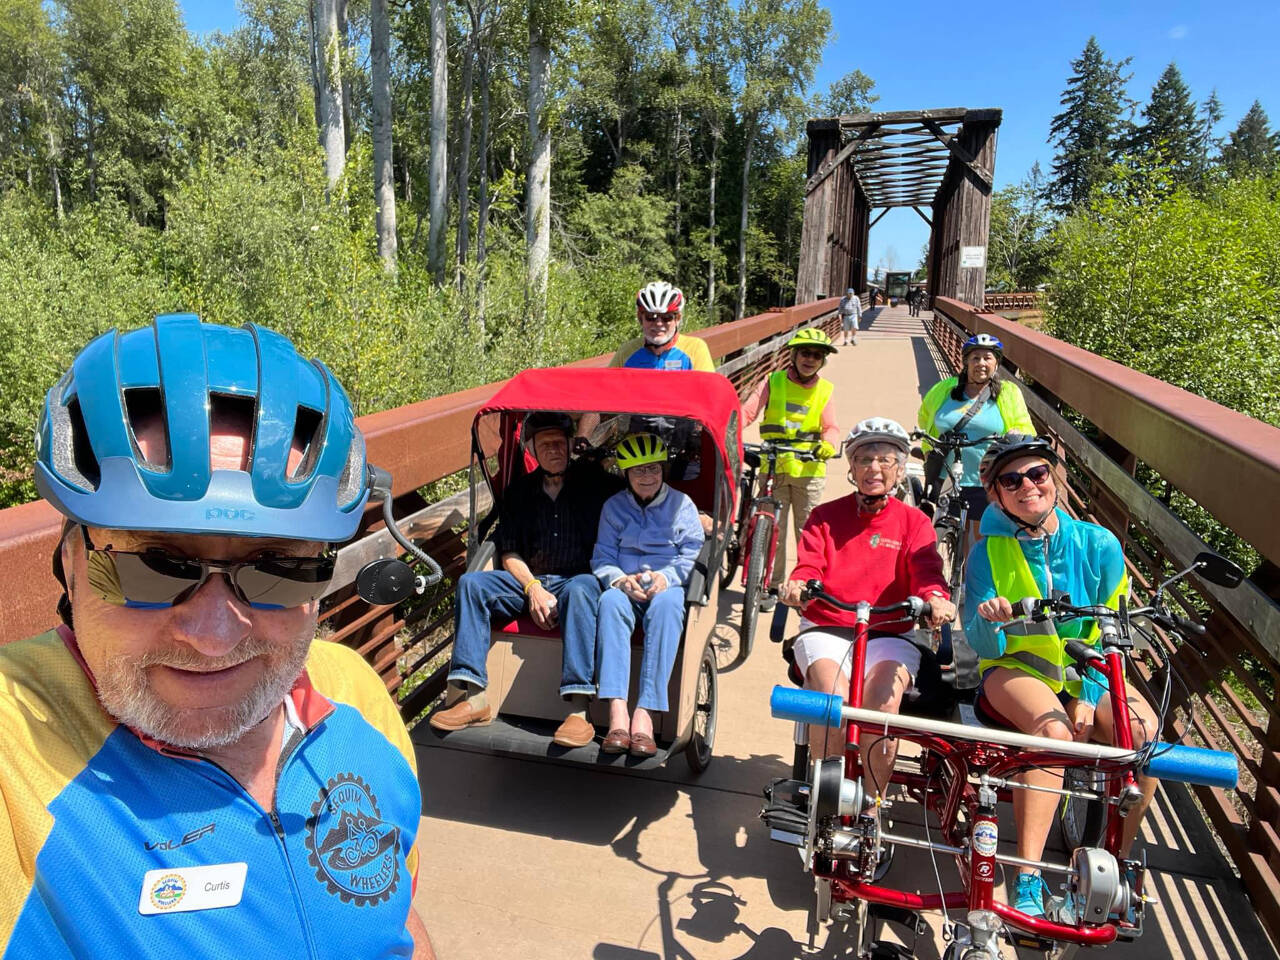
x,y
953,441
770,449
916,608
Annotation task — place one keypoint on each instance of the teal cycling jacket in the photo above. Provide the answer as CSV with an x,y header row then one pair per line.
x,y
1084,561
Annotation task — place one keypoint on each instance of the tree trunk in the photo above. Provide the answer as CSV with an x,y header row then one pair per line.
x,y
438,166
482,210
464,158
332,136
750,127
316,85
538,184
344,38
711,225
384,188
675,243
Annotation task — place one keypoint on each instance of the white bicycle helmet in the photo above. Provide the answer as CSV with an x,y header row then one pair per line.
x,y
659,297
877,430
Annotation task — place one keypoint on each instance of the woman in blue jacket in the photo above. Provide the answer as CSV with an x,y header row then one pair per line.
x,y
649,537
1032,548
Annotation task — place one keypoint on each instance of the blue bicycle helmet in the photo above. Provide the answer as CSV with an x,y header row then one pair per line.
x,y
90,467
983,341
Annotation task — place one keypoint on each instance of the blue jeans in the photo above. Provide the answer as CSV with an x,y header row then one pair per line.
x,y
663,624
488,593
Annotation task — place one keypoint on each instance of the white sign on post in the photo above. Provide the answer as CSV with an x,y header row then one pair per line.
x,y
973,256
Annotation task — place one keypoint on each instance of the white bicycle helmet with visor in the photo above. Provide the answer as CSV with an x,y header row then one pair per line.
x,y
659,297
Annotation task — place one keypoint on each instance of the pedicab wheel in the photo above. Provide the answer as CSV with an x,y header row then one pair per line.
x,y
759,554
703,736
1083,821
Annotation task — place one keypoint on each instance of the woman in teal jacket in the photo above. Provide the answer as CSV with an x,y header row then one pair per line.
x,y
1032,548
1000,409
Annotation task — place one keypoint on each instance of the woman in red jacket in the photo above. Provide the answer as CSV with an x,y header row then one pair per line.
x,y
868,546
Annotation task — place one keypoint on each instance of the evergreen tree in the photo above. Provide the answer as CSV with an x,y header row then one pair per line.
x,y
1087,130
1171,131
1211,114
1251,148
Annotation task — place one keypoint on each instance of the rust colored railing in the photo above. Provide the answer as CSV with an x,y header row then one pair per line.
x,y
1011,301
1192,444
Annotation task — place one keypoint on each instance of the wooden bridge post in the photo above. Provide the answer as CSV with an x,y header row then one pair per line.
x,y
820,214
971,201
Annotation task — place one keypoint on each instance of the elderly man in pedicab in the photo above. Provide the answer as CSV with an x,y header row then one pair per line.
x,y
545,537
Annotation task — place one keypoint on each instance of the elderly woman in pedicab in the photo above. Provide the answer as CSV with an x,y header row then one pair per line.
x,y
867,546
649,537
1033,548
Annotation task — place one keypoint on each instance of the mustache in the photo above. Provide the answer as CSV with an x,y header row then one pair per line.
x,y
184,658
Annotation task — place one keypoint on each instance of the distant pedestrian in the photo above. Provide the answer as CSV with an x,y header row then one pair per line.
x,y
850,310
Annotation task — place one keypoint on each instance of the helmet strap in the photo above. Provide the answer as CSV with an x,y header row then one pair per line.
x,y
1035,529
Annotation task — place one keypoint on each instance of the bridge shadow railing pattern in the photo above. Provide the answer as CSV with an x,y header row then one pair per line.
x,y
1122,432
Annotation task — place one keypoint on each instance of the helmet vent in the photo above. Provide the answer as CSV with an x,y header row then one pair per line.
x,y
144,407
307,435
74,457
352,482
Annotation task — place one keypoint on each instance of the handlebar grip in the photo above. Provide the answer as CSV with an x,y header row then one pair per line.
x,y
1208,768
1081,652
807,706
812,587
1191,626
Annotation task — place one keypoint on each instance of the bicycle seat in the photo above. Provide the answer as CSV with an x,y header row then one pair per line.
x,y
751,458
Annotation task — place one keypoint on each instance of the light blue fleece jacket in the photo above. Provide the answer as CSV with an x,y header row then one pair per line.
x,y
665,533
1085,561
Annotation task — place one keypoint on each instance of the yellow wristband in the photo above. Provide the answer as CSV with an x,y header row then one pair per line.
x,y
535,582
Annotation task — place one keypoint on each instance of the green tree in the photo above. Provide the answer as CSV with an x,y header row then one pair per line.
x,y
1211,114
1171,130
1251,148
1019,243
1085,134
850,94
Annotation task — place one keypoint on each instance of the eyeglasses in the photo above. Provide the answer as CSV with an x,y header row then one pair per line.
x,y
658,317
157,579
811,353
647,468
884,463
1013,479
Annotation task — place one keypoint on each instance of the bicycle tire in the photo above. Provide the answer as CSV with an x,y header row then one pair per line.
x,y
751,594
1082,821
702,738
729,563
947,546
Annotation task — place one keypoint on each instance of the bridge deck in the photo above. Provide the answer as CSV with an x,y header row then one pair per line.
x,y
526,860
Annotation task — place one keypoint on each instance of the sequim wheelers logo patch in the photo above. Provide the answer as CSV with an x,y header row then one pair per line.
x,y
354,851
167,892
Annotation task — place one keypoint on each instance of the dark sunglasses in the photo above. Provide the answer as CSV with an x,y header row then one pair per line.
x,y
156,579
813,353
1013,479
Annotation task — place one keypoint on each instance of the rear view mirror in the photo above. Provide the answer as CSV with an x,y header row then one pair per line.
x,y
385,581
1217,569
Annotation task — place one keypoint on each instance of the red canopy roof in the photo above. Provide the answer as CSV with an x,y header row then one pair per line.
x,y
708,398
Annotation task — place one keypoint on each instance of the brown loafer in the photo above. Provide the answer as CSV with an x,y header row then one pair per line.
x,y
574,732
461,715
618,741
642,745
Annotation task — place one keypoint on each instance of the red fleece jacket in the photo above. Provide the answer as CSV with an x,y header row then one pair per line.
x,y
881,558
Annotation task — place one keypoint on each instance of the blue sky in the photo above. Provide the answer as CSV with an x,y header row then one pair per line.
x,y
1015,56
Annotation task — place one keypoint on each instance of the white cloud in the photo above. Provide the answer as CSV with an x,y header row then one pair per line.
x,y
1178,32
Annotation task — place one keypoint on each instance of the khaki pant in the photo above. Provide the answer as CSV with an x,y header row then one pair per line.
x,y
796,496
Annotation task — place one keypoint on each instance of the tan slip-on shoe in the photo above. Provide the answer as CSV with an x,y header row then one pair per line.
x,y
461,715
574,732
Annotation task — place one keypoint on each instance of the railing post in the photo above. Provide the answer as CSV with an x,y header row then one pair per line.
x,y
1109,509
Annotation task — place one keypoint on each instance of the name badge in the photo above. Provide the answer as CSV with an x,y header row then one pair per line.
x,y
184,889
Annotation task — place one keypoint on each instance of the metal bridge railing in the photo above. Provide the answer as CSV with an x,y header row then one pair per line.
x,y
1229,465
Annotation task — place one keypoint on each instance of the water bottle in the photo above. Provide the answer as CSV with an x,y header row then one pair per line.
x,y
646,576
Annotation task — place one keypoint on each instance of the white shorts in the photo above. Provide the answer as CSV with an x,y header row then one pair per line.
x,y
849,322
836,643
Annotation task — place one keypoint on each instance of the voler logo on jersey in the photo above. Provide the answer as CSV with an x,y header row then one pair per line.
x,y
354,852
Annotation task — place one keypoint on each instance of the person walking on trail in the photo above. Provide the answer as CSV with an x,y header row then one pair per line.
x,y
661,345
546,533
850,311
181,743
797,408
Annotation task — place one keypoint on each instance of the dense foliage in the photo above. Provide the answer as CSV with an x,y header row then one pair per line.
x,y
143,169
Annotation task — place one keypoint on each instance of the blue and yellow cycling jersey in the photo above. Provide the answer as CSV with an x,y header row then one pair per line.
x,y
685,353
112,846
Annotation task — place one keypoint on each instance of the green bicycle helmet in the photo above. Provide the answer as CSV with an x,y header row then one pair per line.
x,y
637,449
811,337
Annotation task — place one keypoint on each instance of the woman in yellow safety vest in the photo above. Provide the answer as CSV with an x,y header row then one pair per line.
x,y
796,403
1033,548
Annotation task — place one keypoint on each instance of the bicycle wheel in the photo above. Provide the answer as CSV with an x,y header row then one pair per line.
x,y
729,562
698,751
948,539
756,558
1082,820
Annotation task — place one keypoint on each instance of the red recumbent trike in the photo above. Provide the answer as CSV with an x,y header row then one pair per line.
x,y
960,775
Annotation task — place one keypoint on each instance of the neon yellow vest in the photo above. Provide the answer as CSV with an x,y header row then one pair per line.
x,y
1034,648
794,416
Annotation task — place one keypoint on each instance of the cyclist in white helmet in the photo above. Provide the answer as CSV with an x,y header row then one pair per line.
x,y
867,546
661,346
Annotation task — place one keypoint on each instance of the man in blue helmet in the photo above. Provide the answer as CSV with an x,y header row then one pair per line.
x,y
184,770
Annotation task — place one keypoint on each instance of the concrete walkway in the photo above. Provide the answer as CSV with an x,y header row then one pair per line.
x,y
525,861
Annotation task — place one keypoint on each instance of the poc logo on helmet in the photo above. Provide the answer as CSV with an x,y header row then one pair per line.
x,y
227,514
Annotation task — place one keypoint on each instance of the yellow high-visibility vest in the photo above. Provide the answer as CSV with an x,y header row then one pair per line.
x,y
794,416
